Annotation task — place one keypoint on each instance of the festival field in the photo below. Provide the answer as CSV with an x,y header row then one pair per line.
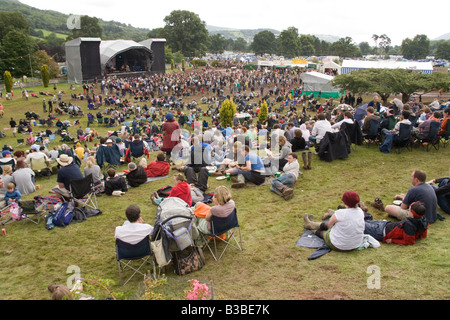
x,y
271,266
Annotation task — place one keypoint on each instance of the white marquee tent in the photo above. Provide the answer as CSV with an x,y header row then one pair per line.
x,y
353,65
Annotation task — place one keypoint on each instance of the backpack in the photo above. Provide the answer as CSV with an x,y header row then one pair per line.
x,y
174,206
15,211
64,214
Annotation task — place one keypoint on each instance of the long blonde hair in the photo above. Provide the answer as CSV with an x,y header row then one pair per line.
x,y
222,194
90,161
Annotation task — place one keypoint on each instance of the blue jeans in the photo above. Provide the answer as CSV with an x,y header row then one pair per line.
x,y
375,228
287,180
441,199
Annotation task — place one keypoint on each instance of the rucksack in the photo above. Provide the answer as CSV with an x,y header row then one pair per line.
x,y
64,214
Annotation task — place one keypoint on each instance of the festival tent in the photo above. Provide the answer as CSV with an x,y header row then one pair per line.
x,y
315,82
354,65
331,65
119,52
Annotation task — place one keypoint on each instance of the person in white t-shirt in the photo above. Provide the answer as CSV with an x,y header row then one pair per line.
x,y
344,231
134,229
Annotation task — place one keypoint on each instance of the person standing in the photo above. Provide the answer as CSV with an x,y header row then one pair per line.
x,y
13,125
171,137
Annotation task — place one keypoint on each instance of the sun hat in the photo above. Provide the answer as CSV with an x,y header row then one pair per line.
x,y
169,116
351,199
109,141
35,147
132,166
64,160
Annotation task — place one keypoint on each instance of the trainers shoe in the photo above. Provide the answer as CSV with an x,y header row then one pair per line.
x,y
378,204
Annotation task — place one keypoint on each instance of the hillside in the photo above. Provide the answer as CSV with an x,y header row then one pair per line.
x,y
248,34
53,21
444,37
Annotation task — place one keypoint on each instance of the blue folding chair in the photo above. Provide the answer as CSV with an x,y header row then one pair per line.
x,y
127,253
220,226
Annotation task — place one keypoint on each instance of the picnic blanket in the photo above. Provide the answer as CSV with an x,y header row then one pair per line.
x,y
309,240
151,179
50,201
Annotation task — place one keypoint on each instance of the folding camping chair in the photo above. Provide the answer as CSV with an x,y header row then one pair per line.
x,y
11,163
127,253
446,136
41,167
433,139
221,226
374,133
84,188
354,133
29,209
404,139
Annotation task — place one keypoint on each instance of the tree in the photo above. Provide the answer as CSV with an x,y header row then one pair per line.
x,y
384,43
263,114
365,48
186,32
227,112
264,42
16,52
240,45
375,39
8,81
345,47
417,48
385,82
90,27
45,75
12,21
40,58
307,47
217,43
443,50
289,43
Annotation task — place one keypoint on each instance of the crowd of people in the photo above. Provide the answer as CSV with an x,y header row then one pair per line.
x,y
152,115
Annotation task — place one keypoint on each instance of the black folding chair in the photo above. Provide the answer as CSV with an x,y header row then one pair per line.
x,y
404,139
127,253
374,133
432,137
83,189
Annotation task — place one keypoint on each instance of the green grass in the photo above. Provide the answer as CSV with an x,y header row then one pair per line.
x,y
271,266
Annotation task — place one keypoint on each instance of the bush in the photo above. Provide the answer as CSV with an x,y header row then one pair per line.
x,y
8,81
45,75
199,62
227,112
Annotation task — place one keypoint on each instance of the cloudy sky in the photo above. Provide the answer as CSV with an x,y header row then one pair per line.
x,y
355,18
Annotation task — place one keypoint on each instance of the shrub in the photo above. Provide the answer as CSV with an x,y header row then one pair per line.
x,y
45,75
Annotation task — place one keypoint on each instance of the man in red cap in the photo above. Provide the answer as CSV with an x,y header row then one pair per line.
x,y
344,231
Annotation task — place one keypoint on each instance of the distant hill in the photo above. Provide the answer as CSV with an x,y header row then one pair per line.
x,y
443,37
248,34
53,21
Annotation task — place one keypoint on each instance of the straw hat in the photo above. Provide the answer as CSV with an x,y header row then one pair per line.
x,y
64,160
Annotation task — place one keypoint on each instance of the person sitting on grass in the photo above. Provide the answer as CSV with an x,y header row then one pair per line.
x,y
282,185
12,194
405,232
253,170
344,230
421,191
181,190
136,175
159,167
115,183
442,191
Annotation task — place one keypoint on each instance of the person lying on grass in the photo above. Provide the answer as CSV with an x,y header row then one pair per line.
x,y
405,232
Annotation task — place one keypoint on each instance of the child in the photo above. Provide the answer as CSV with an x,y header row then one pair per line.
x,y
12,194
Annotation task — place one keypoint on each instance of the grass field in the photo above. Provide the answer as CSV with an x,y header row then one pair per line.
x,y
271,266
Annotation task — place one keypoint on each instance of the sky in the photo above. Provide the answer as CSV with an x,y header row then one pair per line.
x,y
354,18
